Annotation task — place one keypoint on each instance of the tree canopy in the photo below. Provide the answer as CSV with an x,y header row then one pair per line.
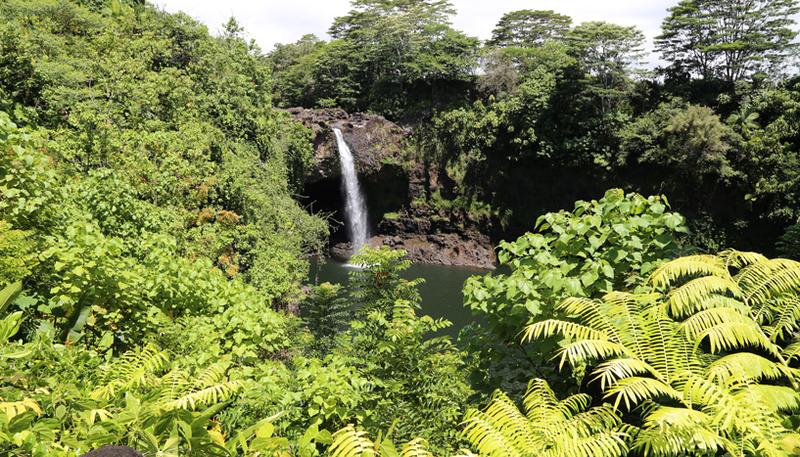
x,y
729,39
528,28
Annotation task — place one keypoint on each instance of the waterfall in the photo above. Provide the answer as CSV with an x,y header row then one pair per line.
x,y
355,206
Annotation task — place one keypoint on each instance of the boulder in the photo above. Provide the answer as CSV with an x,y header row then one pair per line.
x,y
443,249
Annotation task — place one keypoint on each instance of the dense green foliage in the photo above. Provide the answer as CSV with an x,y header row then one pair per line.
x,y
547,112
694,360
152,256
600,246
390,56
729,39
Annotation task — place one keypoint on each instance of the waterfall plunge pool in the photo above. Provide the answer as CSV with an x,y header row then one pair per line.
x,y
441,292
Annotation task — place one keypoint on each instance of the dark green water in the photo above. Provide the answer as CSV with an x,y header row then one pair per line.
x,y
441,291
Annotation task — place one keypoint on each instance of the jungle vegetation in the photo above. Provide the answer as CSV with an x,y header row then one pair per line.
x,y
153,253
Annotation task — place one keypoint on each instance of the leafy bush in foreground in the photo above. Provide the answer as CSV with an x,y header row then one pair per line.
x,y
600,246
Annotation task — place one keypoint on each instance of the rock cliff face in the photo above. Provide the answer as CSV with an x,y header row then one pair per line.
x,y
374,141
429,240
391,179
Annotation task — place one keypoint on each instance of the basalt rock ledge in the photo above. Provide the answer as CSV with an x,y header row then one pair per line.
x,y
392,179
374,141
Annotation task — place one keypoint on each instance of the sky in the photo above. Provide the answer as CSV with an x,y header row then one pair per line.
x,y
285,21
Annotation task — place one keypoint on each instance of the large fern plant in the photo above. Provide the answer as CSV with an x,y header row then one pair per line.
x,y
143,400
689,355
549,427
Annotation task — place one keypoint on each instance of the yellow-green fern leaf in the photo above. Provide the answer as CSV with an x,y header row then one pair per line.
x,y
206,396
741,367
349,442
688,267
634,390
551,327
610,372
695,294
590,350
769,278
479,429
416,448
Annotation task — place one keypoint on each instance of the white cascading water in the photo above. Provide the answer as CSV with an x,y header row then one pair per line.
x,y
355,206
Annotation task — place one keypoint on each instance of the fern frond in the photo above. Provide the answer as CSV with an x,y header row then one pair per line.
x,y
211,375
613,370
670,441
740,259
741,367
626,310
349,442
662,417
573,404
695,294
134,369
589,350
480,431
773,398
506,418
210,395
591,313
737,335
540,402
666,348
699,390
552,327
416,448
769,278
788,314
634,390
726,329
608,444
594,420
550,426
687,267
174,384
791,351
700,322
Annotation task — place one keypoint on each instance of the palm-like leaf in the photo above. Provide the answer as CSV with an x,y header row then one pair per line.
x,y
682,353
635,390
549,427
349,442
416,448
689,267
701,293
133,369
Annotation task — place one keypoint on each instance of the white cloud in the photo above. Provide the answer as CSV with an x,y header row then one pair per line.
x,y
282,21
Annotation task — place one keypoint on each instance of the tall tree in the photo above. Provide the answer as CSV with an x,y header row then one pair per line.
x,y
728,39
293,69
608,53
529,28
409,50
